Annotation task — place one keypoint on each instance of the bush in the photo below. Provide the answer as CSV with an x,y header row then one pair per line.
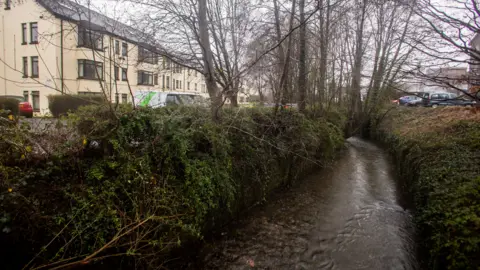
x,y
148,181
437,152
62,104
9,104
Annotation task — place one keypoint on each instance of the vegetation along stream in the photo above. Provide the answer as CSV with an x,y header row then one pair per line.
x,y
349,216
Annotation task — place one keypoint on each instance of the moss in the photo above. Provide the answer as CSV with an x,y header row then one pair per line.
x,y
437,152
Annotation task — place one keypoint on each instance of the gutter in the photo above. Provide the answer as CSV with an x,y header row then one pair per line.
x,y
61,57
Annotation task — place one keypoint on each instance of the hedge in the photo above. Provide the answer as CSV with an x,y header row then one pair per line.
x,y
147,182
9,104
62,104
437,152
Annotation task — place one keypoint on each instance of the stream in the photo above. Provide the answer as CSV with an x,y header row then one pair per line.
x,y
348,216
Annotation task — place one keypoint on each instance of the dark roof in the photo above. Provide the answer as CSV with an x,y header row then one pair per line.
x,y
69,10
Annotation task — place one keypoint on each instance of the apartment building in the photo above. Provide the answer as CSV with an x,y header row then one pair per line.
x,y
58,46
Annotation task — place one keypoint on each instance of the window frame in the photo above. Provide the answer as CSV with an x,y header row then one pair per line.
x,y
147,56
24,34
125,49
116,73
124,98
85,34
141,74
32,58
25,66
155,79
31,32
8,4
35,94
168,82
26,96
117,47
96,65
124,72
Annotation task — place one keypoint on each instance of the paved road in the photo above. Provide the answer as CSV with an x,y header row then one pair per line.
x,y
346,217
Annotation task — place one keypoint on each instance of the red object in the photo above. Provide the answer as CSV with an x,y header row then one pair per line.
x,y
25,109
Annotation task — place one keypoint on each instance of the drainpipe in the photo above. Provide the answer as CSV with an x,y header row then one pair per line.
x,y
110,64
4,65
61,58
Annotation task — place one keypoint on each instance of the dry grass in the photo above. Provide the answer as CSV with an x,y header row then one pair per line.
x,y
411,121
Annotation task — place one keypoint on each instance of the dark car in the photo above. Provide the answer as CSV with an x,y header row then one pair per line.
x,y
24,107
447,99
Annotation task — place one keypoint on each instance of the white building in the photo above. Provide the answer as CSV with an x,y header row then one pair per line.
x,y
58,46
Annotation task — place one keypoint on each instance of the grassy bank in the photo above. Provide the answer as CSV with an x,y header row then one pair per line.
x,y
128,189
438,156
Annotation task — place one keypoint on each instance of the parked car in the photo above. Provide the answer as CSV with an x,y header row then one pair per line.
x,y
415,101
447,99
156,99
24,107
405,100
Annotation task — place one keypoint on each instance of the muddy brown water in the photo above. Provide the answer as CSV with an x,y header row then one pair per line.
x,y
348,216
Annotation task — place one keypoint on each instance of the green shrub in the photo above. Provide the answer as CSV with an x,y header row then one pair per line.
x,y
437,153
62,104
9,104
152,180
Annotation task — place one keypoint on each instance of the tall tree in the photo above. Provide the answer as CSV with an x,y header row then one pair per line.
x,y
302,65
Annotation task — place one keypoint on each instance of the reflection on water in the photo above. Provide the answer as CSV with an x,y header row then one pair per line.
x,y
345,217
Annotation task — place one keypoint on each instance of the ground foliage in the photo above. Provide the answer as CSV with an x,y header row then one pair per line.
x,y
139,184
438,156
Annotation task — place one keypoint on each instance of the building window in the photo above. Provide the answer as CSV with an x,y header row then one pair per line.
x,y
33,33
124,74
155,79
188,86
24,33
7,4
91,93
34,60
124,49
166,63
25,96
163,81
176,84
180,82
89,39
168,81
195,87
88,69
203,88
177,68
25,67
117,98
36,101
124,98
117,47
147,56
116,73
145,78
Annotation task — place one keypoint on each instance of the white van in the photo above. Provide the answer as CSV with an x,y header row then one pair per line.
x,y
156,99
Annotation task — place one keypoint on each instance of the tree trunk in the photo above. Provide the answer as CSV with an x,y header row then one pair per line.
x,y
356,102
302,65
211,84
